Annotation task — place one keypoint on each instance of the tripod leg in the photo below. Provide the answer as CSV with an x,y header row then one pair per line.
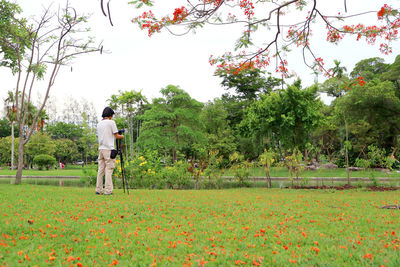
x,y
123,174
126,183
124,180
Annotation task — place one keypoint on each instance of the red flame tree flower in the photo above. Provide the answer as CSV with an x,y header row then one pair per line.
x,y
270,28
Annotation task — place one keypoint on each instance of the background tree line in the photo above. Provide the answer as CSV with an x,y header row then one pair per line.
x,y
257,113
64,139
260,112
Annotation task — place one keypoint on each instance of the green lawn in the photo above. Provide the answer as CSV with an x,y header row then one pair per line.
x,y
73,226
74,171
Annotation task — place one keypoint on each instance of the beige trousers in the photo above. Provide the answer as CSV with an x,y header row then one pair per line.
x,y
106,167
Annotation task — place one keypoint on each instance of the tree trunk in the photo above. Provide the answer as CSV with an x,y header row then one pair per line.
x,y
306,156
346,150
18,177
131,142
12,145
137,136
268,176
130,131
174,155
174,152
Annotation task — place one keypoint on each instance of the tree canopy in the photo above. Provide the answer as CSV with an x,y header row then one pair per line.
x,y
14,35
172,123
372,111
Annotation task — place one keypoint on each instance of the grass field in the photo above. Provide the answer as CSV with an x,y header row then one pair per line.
x,y
72,226
69,171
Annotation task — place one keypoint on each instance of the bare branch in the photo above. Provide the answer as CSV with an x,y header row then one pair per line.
x,y
109,14
102,7
275,10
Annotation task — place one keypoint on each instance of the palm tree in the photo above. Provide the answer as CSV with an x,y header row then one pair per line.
x,y
41,120
338,72
11,114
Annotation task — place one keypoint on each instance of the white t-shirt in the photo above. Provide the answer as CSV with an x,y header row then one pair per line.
x,y
105,134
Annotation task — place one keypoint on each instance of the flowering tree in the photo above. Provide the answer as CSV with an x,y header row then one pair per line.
x,y
287,23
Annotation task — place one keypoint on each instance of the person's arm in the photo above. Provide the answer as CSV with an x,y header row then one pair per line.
x,y
118,136
115,131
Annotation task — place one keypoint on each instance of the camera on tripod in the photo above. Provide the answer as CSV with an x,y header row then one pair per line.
x,y
121,131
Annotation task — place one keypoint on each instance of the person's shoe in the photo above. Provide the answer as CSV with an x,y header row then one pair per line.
x,y
97,193
108,194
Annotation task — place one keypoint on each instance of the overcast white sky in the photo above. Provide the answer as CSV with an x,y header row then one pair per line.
x,y
137,62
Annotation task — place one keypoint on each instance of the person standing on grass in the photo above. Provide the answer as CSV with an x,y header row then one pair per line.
x,y
106,133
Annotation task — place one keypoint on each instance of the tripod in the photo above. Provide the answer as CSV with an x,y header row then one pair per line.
x,y
124,181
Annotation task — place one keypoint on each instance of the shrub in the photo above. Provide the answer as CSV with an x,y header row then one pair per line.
x,y
363,163
142,171
177,176
89,177
212,172
266,160
375,158
241,169
293,164
44,161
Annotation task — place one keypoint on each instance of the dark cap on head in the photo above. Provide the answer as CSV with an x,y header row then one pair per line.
x,y
108,112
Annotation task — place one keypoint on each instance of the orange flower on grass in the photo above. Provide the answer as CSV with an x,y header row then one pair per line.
x,y
202,262
257,263
368,256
